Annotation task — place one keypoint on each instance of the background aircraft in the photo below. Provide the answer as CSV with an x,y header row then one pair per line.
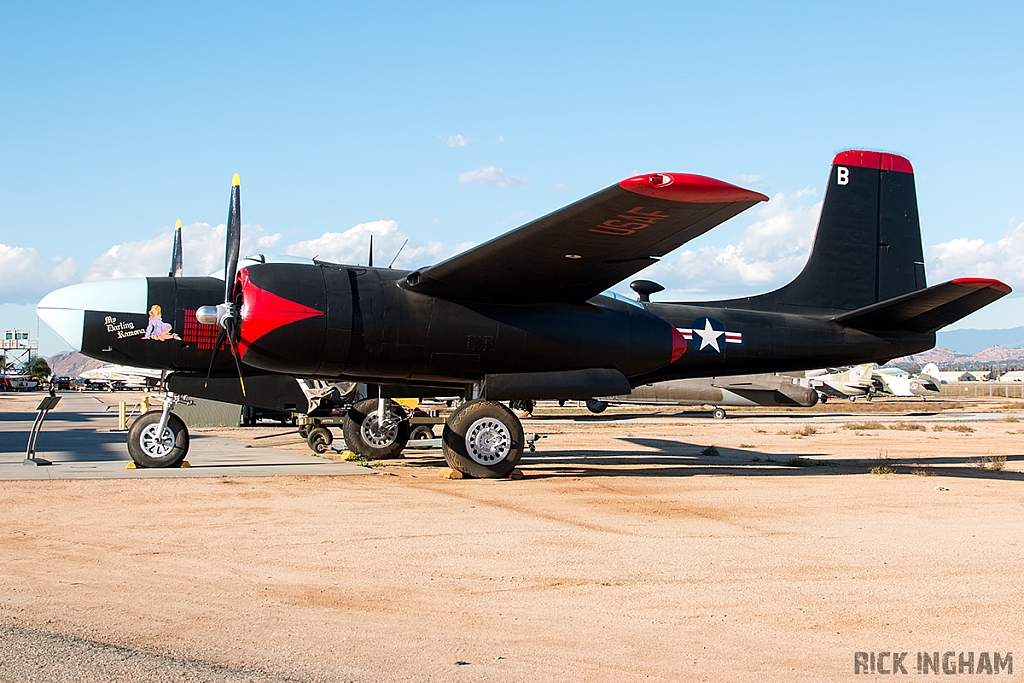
x,y
897,382
766,389
112,375
523,316
851,383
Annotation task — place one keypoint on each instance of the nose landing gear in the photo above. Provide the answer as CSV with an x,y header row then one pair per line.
x,y
159,438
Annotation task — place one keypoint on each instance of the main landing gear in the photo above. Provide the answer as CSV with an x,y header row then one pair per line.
x,y
483,439
373,431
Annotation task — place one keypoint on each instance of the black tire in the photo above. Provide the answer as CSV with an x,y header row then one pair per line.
x,y
483,439
595,406
423,432
390,444
823,398
718,414
147,451
319,439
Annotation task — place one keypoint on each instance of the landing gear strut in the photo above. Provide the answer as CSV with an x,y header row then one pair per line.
x,y
483,439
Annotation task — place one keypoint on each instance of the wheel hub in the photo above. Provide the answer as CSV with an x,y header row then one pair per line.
x,y
379,435
488,441
154,446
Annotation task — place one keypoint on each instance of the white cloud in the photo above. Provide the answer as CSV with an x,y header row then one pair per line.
x,y
202,252
750,179
26,275
455,141
501,138
770,253
352,246
965,257
490,175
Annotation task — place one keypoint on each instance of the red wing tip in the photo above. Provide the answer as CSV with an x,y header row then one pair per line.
x,y
689,188
982,282
881,161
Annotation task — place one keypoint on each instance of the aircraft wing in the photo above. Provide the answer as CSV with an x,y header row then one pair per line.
x,y
579,251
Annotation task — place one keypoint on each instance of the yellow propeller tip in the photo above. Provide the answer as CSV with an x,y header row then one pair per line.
x,y
235,182
177,224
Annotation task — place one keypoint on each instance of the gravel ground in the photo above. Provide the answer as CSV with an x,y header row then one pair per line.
x,y
628,552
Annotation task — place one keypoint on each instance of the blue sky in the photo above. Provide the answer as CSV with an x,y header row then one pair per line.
x,y
450,123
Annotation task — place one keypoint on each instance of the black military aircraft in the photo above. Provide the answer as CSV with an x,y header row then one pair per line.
x,y
523,315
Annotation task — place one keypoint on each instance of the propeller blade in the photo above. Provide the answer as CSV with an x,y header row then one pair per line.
x,y
234,353
176,252
234,238
370,264
213,358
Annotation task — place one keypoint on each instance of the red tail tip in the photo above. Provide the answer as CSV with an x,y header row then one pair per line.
x,y
881,161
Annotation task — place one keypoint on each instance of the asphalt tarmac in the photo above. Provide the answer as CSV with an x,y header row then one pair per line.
x,y
81,439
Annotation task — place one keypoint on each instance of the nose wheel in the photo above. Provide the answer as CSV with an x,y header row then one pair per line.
x,y
483,439
150,446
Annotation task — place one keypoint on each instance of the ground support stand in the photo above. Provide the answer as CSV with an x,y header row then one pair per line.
x,y
46,405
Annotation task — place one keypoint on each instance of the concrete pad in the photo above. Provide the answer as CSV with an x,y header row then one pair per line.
x,y
81,440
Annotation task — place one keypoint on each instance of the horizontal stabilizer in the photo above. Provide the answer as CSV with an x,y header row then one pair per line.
x,y
927,310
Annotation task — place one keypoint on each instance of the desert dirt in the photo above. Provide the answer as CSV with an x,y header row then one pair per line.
x,y
627,552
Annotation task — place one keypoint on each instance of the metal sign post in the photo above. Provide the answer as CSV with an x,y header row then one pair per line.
x,y
46,405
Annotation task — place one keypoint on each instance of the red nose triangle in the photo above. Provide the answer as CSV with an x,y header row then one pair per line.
x,y
263,312
678,345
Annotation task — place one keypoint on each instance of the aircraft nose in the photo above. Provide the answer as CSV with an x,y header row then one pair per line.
x,y
64,309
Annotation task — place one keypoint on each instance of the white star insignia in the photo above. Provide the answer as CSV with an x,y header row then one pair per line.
x,y
709,336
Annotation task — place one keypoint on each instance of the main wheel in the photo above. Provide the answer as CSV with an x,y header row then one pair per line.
x,y
365,437
319,439
483,439
595,406
149,449
718,414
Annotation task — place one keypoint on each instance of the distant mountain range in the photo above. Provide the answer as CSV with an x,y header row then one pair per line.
x,y
71,364
947,359
973,341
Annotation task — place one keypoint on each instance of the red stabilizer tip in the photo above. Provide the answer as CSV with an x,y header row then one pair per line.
x,y
689,188
982,282
881,161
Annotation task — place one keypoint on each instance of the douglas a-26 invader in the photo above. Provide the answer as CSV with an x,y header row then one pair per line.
x,y
523,315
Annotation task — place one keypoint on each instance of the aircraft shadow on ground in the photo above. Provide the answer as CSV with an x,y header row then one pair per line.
x,y
663,457
666,458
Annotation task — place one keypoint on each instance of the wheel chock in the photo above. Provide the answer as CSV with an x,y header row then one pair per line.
x,y
132,466
349,456
449,473
516,474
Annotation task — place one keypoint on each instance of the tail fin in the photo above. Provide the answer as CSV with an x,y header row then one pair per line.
x,y
868,245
